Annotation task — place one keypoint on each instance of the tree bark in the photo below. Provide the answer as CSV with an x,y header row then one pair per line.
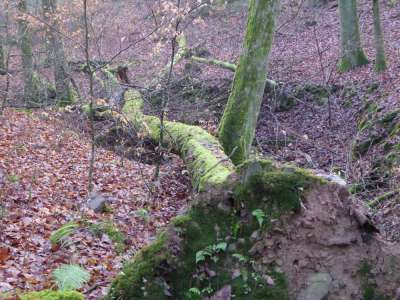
x,y
380,59
352,54
57,53
2,55
31,93
238,124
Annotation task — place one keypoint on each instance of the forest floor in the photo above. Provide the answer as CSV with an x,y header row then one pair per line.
x,y
43,185
44,164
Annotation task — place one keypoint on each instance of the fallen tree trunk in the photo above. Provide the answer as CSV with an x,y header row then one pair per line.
x,y
213,174
215,62
211,169
225,65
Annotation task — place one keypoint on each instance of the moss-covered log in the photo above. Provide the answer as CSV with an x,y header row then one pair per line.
x,y
239,120
215,62
352,54
211,169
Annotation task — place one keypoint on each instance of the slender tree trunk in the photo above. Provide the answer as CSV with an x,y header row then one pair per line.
x,y
352,54
238,124
91,94
57,53
5,55
380,60
25,43
2,54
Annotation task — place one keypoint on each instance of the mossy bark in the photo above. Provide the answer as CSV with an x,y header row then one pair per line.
x,y
31,89
352,54
380,60
2,55
238,124
56,53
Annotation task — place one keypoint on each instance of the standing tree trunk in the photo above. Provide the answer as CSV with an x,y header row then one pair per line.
x,y
352,54
2,55
380,60
57,53
238,124
25,42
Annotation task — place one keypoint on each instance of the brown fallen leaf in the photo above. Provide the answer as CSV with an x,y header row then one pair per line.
x,y
4,255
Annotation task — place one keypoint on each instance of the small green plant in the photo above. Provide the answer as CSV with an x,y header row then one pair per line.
x,y
59,236
240,257
236,229
70,277
3,213
207,291
260,216
193,294
21,147
210,251
143,214
115,235
13,178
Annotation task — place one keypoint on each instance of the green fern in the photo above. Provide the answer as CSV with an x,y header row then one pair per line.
x,y
63,232
70,277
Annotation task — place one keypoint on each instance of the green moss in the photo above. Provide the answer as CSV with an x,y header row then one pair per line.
x,y
67,98
376,129
138,276
362,147
206,227
369,287
53,295
389,117
356,59
169,267
115,235
357,187
378,200
278,189
200,151
181,220
372,87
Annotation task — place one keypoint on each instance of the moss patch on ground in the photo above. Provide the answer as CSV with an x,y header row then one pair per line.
x,y
53,295
369,288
